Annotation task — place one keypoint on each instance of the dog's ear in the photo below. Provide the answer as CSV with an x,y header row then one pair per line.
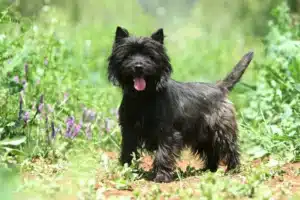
x,y
121,33
158,36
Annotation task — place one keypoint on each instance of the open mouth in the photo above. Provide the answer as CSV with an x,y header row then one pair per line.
x,y
139,84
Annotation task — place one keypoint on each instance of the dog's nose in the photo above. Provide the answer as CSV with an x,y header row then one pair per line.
x,y
138,66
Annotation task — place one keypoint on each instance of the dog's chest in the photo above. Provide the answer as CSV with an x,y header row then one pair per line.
x,y
143,119
142,116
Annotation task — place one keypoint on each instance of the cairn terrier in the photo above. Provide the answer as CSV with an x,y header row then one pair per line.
x,y
164,115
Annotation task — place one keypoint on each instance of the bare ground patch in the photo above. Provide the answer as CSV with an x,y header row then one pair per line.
x,y
282,186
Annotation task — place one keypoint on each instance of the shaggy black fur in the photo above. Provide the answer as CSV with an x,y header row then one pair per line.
x,y
165,115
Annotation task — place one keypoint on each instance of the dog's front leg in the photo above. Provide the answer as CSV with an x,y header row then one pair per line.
x,y
128,146
168,149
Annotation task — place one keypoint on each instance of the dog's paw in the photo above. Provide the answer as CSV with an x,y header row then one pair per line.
x,y
162,178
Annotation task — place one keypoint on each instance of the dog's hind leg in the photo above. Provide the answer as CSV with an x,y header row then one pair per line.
x,y
232,157
226,138
229,149
211,157
169,149
222,146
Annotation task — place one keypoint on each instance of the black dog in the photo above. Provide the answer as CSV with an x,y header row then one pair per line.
x,y
165,115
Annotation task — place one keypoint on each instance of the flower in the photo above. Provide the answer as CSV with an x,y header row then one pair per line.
x,y
16,79
70,123
40,105
26,117
40,108
20,105
88,115
76,130
26,71
53,130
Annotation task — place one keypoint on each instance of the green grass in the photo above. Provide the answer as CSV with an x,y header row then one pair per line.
x,y
66,64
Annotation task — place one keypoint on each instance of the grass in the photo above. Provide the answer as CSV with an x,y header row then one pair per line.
x,y
90,174
59,137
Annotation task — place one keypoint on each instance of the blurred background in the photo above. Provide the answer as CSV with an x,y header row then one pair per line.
x,y
199,28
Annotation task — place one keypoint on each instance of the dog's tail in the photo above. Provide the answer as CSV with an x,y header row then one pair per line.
x,y
234,76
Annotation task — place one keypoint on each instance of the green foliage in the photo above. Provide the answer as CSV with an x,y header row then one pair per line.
x,y
274,106
8,182
42,86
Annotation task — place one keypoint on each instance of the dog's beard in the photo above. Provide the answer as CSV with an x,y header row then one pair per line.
x,y
139,84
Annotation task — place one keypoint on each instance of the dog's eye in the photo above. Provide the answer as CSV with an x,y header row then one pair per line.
x,y
151,57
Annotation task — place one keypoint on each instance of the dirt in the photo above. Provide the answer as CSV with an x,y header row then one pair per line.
x,y
290,177
290,180
146,165
118,193
282,185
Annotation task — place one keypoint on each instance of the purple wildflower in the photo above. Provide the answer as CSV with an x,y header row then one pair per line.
x,y
41,104
26,71
53,130
20,105
26,117
70,123
76,130
47,128
9,61
88,115
40,108
16,79
42,99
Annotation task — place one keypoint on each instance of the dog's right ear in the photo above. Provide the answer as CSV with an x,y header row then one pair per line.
x,y
121,33
158,36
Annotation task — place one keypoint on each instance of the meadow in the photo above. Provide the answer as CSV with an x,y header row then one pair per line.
x,y
59,134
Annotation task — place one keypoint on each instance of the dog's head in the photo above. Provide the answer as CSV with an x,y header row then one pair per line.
x,y
139,63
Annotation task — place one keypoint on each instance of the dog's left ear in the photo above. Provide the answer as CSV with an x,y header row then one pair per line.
x,y
158,36
121,33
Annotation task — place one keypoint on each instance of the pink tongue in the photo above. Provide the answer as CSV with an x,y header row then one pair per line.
x,y
139,84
